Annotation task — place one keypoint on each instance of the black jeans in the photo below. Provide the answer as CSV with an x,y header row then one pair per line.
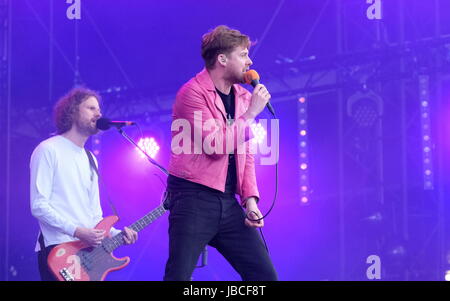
x,y
44,271
200,218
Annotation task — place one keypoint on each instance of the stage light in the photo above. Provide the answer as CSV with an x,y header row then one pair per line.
x,y
427,154
259,132
366,108
149,146
375,217
302,115
447,276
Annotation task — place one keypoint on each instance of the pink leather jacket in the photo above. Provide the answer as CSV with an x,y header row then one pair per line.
x,y
204,159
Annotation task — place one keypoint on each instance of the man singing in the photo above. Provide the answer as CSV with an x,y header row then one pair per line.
x,y
203,181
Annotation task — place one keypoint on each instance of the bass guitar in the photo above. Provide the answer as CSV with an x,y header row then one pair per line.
x,y
76,261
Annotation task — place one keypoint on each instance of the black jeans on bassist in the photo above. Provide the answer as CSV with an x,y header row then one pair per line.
x,y
44,271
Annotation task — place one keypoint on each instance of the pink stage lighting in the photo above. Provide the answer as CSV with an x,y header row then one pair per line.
x,y
259,132
149,145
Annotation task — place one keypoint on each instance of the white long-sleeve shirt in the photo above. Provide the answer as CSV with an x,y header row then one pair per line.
x,y
63,190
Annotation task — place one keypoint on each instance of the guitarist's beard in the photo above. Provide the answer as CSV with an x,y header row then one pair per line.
x,y
86,128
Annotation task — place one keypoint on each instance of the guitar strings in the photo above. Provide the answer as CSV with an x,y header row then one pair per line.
x,y
100,250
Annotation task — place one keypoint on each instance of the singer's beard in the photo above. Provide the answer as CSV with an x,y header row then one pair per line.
x,y
235,77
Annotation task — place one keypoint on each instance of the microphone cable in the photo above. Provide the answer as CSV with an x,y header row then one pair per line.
x,y
274,197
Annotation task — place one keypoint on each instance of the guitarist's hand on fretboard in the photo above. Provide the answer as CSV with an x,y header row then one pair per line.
x,y
130,236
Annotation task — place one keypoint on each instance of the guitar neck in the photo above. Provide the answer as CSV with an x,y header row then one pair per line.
x,y
114,242
148,219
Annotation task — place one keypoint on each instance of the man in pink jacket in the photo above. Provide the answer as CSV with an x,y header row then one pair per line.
x,y
211,163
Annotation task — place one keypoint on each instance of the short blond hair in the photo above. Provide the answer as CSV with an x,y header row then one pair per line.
x,y
221,39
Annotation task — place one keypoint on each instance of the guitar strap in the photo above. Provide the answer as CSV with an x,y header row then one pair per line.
x,y
41,241
92,162
94,167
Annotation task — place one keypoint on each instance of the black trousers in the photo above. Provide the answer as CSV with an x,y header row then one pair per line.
x,y
199,218
44,272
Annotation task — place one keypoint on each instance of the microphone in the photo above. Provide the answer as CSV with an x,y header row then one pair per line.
x,y
105,123
251,77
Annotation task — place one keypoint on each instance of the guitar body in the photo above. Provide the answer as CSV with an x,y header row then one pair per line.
x,y
76,261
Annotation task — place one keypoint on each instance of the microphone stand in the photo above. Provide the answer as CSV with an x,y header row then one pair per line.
x,y
124,134
119,129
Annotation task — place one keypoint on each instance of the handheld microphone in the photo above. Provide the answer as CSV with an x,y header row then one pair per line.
x,y
105,123
251,77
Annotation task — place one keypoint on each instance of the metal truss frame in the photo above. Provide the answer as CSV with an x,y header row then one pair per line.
x,y
5,127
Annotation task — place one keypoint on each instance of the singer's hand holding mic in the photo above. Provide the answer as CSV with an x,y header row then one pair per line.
x,y
260,96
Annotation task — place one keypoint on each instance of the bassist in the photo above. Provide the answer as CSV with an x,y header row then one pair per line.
x,y
64,190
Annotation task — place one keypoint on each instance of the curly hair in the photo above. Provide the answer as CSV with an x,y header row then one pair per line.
x,y
66,109
221,39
